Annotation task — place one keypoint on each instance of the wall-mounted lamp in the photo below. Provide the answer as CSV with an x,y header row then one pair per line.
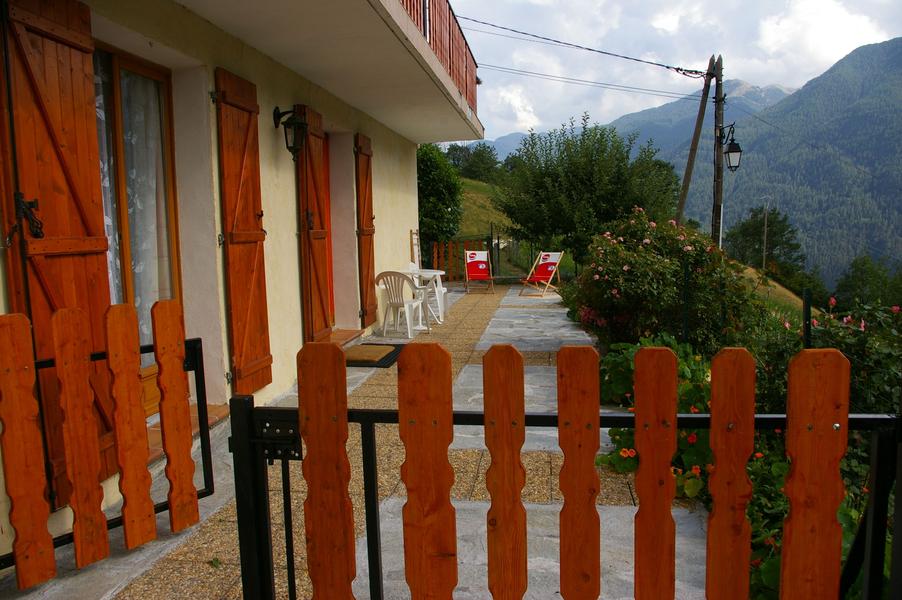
x,y
293,127
732,152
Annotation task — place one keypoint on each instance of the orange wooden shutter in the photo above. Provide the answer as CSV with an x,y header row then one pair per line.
x,y
242,224
56,163
314,207
366,229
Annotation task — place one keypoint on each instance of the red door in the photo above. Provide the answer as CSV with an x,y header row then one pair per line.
x,y
243,233
315,241
53,144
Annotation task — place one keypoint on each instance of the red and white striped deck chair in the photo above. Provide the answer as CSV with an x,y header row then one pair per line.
x,y
479,269
543,270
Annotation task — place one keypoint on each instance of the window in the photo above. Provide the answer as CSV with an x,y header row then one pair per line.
x,y
134,132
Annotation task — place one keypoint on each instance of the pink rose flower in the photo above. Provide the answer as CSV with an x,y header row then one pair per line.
x,y
672,222
832,301
596,277
652,224
861,327
648,241
786,324
626,267
814,323
895,309
847,319
687,248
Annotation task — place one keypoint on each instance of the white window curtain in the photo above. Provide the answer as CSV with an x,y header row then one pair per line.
x,y
145,180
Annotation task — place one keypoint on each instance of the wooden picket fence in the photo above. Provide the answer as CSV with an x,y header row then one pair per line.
x,y
23,453
816,436
449,257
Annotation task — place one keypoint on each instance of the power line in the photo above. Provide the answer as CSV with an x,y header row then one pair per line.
x,y
590,83
681,70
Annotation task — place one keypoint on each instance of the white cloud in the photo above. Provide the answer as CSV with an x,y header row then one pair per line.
x,y
822,31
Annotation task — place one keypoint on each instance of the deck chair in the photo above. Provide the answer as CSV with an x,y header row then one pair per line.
x,y
397,301
479,269
544,269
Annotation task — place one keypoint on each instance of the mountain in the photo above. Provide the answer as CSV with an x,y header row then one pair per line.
x,y
504,145
671,124
827,156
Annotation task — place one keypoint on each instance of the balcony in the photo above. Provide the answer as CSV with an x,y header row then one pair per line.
x,y
374,55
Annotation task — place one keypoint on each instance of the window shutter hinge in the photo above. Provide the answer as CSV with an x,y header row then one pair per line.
x,y
361,312
215,97
220,239
229,378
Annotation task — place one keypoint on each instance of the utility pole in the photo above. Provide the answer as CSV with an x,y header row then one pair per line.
x,y
717,211
693,149
764,243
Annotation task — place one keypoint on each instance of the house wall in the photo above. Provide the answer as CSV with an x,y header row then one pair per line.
x,y
167,33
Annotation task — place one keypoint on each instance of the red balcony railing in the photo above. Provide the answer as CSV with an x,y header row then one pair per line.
x,y
436,20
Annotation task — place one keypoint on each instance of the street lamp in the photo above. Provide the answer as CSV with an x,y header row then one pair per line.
x,y
733,151
292,124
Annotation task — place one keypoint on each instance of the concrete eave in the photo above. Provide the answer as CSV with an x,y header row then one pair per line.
x,y
368,53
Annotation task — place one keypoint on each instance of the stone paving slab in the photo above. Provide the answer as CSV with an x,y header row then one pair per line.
x,y
540,396
532,325
530,298
543,551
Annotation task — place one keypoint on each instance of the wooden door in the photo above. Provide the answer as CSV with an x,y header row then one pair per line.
x,y
53,146
243,233
366,230
313,204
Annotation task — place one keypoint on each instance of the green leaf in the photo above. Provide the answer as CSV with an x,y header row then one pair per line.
x,y
692,486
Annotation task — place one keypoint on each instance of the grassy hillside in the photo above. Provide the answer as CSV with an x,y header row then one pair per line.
x,y
478,210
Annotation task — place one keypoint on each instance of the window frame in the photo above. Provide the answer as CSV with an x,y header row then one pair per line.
x,y
124,60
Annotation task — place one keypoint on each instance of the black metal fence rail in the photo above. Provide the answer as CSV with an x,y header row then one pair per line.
x,y
194,363
262,435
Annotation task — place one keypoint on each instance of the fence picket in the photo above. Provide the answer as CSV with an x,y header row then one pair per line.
x,y
655,386
426,429
732,442
328,514
175,418
578,434
82,447
505,477
23,454
816,438
139,521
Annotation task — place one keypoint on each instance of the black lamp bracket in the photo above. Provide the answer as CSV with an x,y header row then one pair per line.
x,y
278,115
727,129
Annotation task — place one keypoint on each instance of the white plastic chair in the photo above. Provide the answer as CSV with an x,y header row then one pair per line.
x,y
394,283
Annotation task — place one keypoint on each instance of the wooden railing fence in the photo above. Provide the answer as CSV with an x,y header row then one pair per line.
x,y
23,453
436,21
816,434
449,257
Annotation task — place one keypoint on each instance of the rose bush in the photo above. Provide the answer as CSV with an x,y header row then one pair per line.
x,y
645,278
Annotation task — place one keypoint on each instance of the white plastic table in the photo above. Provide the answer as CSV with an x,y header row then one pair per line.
x,y
430,278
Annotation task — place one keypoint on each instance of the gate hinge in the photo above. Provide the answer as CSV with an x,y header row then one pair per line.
x,y
229,377
25,211
220,239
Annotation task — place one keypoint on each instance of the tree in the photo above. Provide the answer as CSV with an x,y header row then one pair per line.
x,y
784,261
867,280
745,242
458,155
563,186
439,192
481,164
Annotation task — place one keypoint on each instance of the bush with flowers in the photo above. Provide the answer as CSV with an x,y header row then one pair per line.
x,y
645,277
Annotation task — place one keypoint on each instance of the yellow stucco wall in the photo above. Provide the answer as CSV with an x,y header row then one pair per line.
x,y
165,32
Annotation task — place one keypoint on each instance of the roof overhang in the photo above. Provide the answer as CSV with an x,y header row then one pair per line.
x,y
368,53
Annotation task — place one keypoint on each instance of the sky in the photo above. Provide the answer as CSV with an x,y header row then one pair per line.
x,y
763,42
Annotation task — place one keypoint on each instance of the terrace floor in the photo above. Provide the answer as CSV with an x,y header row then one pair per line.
x,y
204,562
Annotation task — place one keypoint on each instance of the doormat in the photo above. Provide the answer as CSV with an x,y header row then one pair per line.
x,y
380,356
